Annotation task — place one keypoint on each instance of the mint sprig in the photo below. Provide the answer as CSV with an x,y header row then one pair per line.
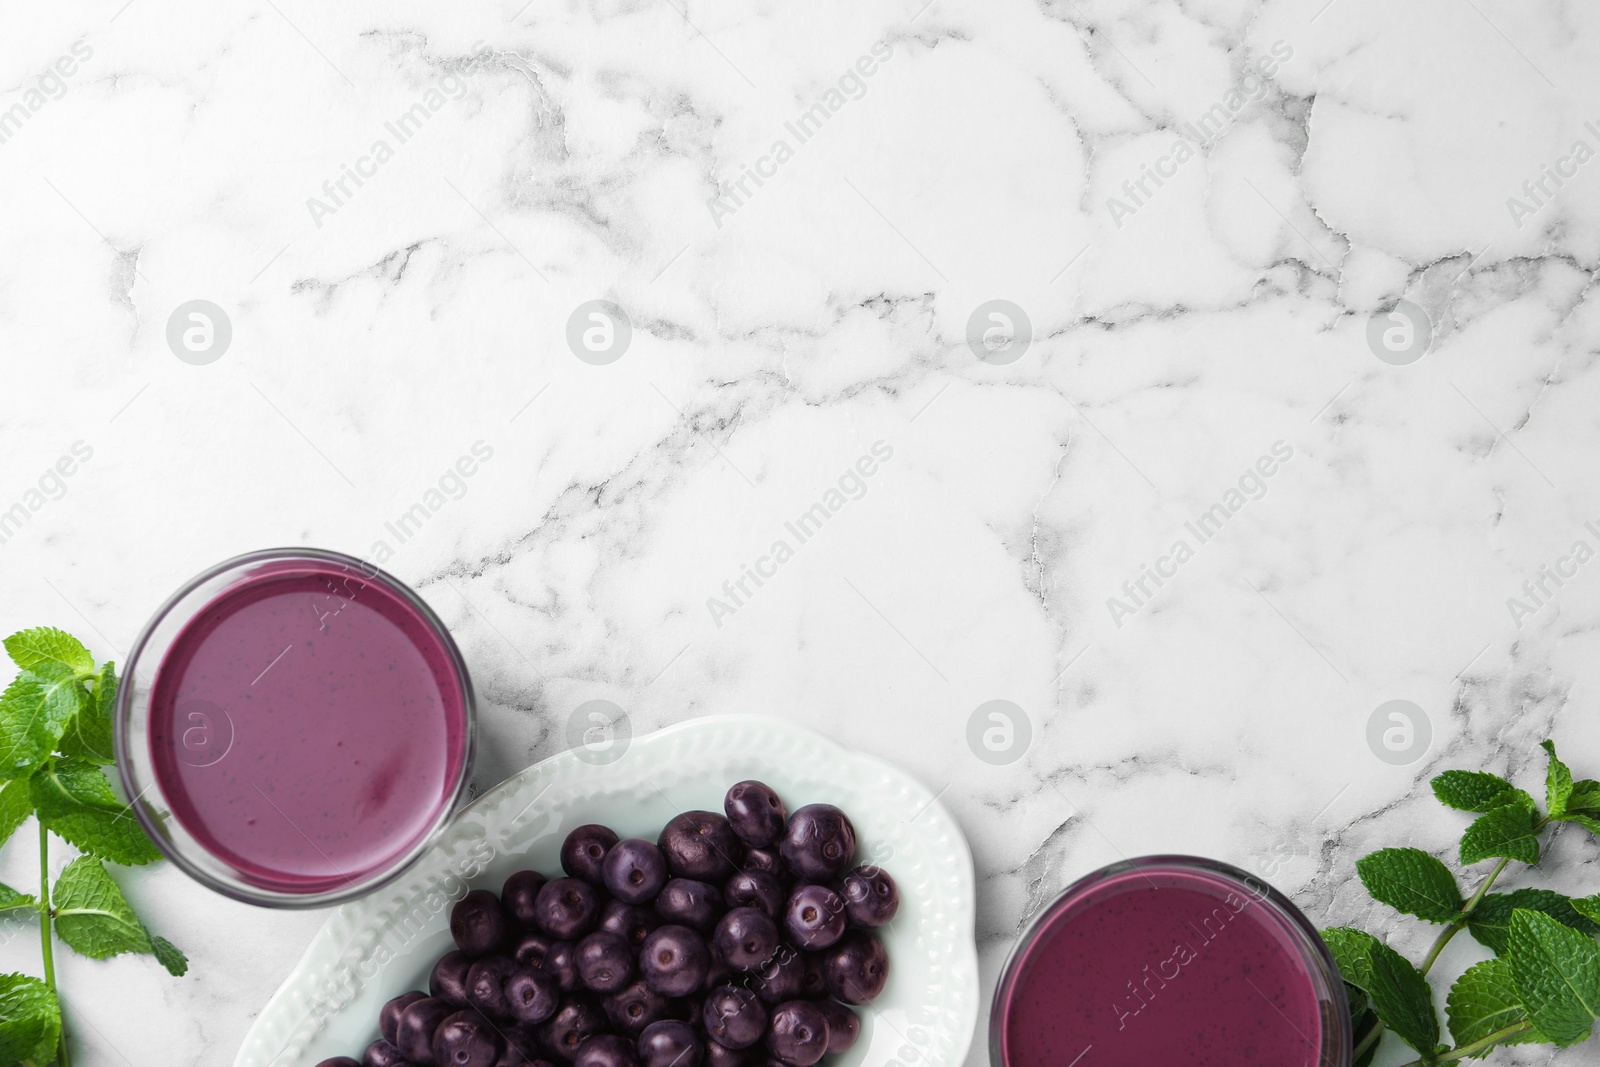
x,y
1543,986
55,738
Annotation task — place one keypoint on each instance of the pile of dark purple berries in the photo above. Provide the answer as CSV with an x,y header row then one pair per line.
x,y
730,942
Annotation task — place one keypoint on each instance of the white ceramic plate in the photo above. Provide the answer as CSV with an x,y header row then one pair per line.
x,y
385,944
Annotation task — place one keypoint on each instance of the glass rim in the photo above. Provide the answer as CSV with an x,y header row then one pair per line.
x,y
135,766
1337,1037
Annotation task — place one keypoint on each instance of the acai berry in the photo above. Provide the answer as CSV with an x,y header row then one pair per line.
x,y
692,903
734,1017
477,923
634,871
466,1039
745,938
532,996
567,908
606,1050
518,895
870,896
414,1031
486,986
701,845
843,1026
605,962
755,889
857,968
814,918
583,853
755,813
630,922
798,1034
819,843
674,961
670,1043
449,978
635,1007
389,1016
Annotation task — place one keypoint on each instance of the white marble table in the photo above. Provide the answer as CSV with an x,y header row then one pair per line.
x,y
512,163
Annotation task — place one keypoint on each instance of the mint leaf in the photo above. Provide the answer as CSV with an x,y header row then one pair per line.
x,y
15,807
1585,797
1356,997
94,918
34,709
1403,999
1490,922
1557,782
10,899
74,801
1474,790
1557,974
1505,832
30,1020
176,963
1588,907
1410,880
29,648
1582,806
92,915
1352,951
88,735
1485,1000
1589,822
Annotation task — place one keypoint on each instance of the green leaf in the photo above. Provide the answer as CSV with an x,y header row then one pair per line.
x,y
1588,907
1490,922
1589,822
1557,974
15,807
1585,797
30,1020
1557,782
34,709
10,899
176,963
1474,790
1403,999
1411,881
1485,1000
29,648
1505,832
1352,951
74,801
1357,998
88,735
92,915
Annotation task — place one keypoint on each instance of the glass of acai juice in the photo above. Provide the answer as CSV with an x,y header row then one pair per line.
x,y
294,727
1170,960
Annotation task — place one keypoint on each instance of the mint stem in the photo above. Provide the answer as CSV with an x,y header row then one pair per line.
x,y
1367,1042
1466,911
45,936
1476,1047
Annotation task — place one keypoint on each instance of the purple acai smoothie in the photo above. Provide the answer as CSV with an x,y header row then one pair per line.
x,y
307,727
1177,967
